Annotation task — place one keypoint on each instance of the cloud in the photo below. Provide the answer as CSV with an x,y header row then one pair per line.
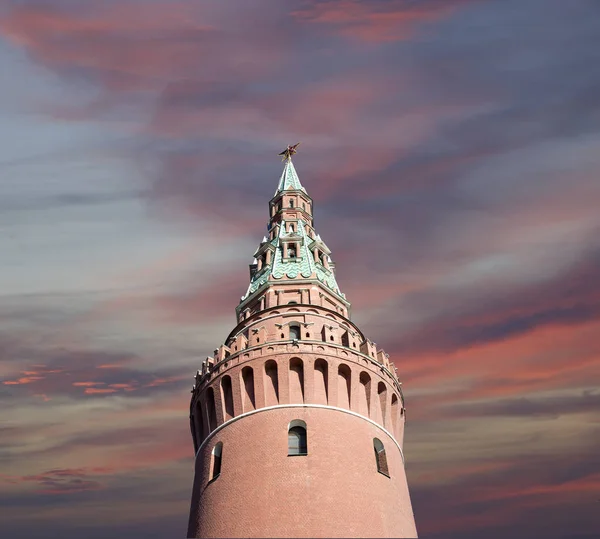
x,y
498,494
67,200
376,21
570,298
79,373
63,481
99,43
585,402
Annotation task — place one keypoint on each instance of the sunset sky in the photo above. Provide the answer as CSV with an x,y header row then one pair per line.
x,y
452,148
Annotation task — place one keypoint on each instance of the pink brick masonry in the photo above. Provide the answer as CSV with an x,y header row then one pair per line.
x,y
296,355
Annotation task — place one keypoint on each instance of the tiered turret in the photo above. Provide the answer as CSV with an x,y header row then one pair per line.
x,y
296,377
292,255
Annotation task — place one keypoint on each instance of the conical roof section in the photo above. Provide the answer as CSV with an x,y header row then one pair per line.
x,y
303,265
289,179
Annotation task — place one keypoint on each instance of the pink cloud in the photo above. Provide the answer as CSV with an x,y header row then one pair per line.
x,y
110,366
22,381
126,387
130,51
97,39
96,391
582,485
366,21
63,480
537,362
168,380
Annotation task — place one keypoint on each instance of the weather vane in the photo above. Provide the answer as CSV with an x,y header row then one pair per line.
x,y
289,151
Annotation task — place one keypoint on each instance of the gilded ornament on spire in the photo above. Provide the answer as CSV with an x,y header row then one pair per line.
x,y
289,151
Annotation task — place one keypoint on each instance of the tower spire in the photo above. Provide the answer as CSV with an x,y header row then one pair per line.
x,y
293,251
289,180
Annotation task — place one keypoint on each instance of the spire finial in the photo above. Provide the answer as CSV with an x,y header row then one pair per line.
x,y
289,151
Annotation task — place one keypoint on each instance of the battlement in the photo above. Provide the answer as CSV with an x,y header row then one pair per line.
x,y
243,347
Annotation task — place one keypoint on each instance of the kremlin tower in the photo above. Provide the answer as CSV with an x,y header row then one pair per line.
x,y
298,419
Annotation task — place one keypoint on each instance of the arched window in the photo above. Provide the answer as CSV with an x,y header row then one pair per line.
x,y
297,438
271,383
227,396
217,453
248,400
382,392
294,332
320,388
364,395
211,409
344,386
380,457
296,380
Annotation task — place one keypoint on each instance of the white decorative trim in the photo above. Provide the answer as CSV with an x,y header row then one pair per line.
x,y
325,406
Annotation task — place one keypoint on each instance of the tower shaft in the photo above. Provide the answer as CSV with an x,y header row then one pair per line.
x,y
298,419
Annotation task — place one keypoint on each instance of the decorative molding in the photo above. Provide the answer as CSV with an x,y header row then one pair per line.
x,y
322,406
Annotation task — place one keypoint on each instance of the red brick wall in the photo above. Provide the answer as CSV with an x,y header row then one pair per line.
x,y
334,491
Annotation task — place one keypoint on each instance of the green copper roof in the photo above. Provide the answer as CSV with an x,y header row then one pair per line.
x,y
303,266
289,179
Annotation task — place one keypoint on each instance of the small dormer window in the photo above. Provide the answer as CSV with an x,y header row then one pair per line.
x,y
291,228
295,332
291,251
291,203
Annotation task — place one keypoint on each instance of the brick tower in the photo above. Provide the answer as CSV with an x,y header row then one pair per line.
x,y
298,419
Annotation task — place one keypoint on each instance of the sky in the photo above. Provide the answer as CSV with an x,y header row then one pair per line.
x,y
452,149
